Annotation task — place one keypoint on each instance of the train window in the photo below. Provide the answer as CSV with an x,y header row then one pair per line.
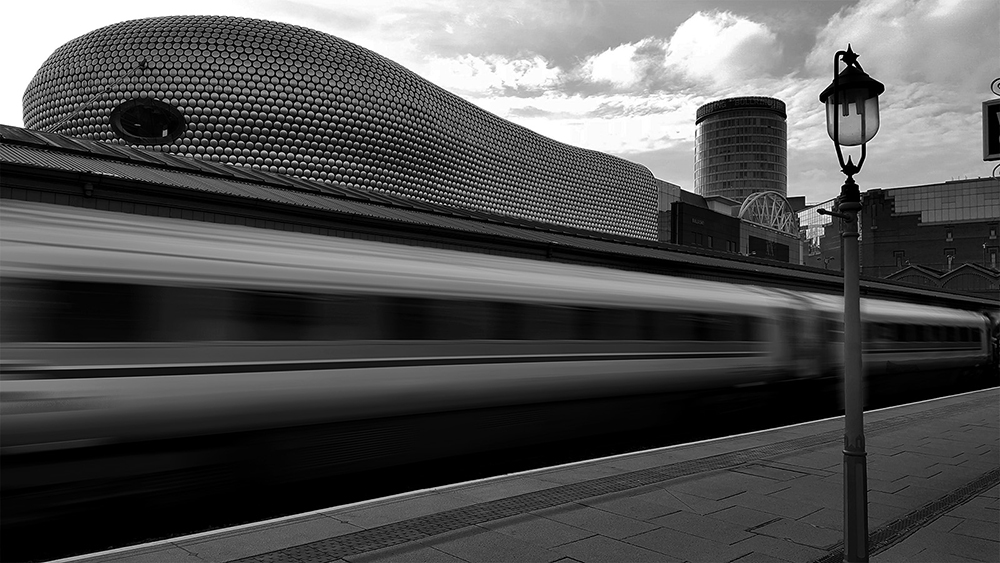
x,y
24,313
264,315
189,314
725,328
963,334
935,333
884,332
749,329
900,333
350,317
836,329
549,322
612,324
975,335
406,318
670,325
462,320
648,324
660,325
869,332
72,311
950,334
709,327
507,319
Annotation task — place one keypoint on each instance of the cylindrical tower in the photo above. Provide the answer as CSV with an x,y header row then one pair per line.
x,y
741,148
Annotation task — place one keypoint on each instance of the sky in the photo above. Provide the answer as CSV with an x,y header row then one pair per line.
x,y
626,76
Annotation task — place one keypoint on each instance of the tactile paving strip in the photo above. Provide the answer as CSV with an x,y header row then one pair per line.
x,y
888,535
423,527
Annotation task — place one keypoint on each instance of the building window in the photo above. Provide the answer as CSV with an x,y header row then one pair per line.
x,y
711,242
900,256
949,256
731,246
991,253
148,121
949,235
993,232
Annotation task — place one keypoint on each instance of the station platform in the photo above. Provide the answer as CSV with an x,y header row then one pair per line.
x,y
775,495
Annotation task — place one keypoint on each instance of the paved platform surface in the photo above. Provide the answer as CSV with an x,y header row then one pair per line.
x,y
773,496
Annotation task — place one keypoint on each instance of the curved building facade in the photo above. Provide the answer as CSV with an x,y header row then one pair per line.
x,y
741,148
293,100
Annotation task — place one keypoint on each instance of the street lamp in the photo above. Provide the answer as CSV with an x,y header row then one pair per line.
x,y
851,120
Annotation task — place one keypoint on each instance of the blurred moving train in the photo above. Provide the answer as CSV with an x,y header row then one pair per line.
x,y
122,329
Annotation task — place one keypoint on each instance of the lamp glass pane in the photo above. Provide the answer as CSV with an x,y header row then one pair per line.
x,y
857,115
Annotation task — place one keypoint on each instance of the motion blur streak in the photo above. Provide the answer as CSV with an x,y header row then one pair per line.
x,y
160,350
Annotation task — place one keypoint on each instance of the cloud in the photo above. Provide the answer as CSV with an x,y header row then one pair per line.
x,y
722,49
709,49
936,59
626,66
490,74
905,41
617,123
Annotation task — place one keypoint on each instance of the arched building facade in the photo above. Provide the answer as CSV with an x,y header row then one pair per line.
x,y
288,99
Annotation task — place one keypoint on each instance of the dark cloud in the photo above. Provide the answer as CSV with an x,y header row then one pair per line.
x,y
530,111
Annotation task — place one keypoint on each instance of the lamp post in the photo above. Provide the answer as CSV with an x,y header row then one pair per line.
x,y
851,120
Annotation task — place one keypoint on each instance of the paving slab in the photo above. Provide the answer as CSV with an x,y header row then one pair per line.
x,y
703,527
600,522
776,495
485,546
600,549
687,547
540,531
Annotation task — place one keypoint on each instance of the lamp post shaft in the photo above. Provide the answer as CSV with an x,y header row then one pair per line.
x,y
855,466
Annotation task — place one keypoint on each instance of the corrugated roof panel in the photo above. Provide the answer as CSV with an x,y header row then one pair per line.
x,y
16,135
133,155
168,160
58,161
449,218
104,150
300,183
252,174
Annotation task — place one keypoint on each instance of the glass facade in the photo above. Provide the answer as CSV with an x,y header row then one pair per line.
x,y
936,228
970,200
814,225
741,148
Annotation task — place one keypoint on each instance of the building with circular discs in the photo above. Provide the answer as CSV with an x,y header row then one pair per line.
x,y
741,148
292,100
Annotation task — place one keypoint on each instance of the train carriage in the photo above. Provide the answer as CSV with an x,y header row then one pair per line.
x,y
154,328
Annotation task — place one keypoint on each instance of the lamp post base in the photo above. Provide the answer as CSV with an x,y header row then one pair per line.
x,y
855,505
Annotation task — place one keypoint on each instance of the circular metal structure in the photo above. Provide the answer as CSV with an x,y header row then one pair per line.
x,y
741,148
772,210
288,99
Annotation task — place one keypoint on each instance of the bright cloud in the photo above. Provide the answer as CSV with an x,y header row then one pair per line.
x,y
722,48
904,41
625,66
468,74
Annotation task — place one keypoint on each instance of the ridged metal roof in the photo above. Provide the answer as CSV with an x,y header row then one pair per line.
x,y
46,150
35,149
